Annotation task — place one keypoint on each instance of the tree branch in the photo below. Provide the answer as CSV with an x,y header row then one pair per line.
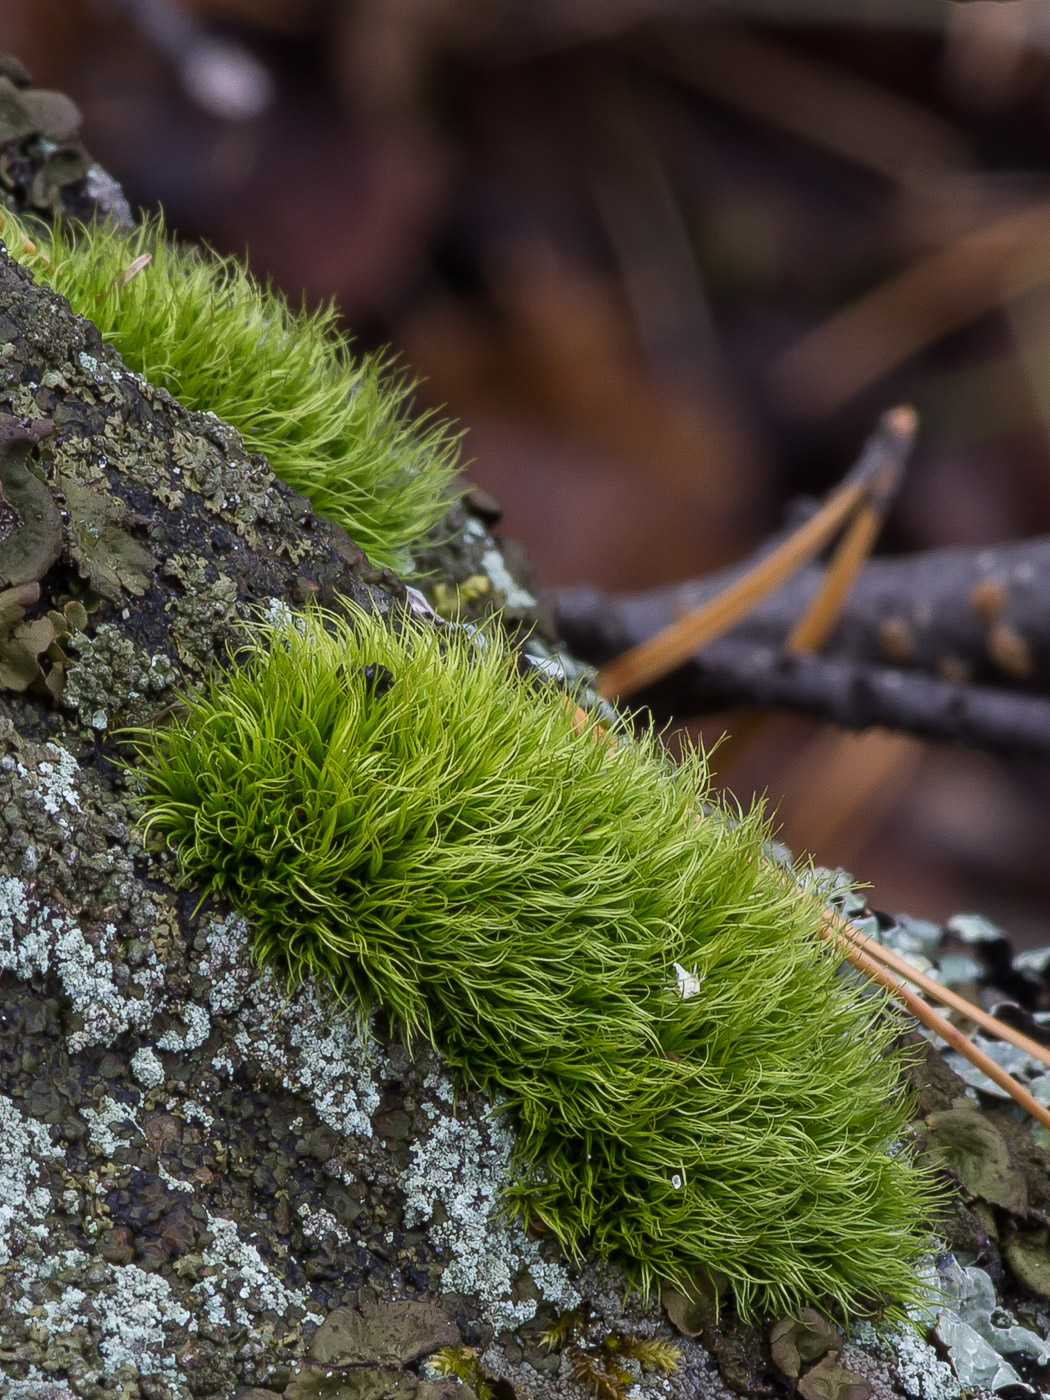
x,y
948,644
856,696
978,615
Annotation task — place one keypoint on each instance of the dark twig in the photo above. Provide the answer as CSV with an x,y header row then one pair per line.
x,y
960,614
871,480
856,696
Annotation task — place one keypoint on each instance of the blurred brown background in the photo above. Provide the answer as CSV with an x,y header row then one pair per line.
x,y
667,262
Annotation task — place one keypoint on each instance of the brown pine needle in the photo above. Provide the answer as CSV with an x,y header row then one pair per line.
x,y
651,659
846,934
132,270
912,309
944,1029
872,479
817,623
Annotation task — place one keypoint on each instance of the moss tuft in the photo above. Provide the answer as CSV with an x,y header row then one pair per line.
x,y
696,1088
332,426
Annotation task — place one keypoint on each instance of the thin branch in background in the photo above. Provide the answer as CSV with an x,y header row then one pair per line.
x,y
853,779
861,343
958,614
818,621
856,695
851,117
877,468
809,634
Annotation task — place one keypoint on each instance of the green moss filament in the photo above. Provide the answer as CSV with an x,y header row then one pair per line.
x,y
401,818
332,426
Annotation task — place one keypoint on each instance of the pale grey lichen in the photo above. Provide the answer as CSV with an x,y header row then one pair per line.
x,y
53,782
977,1332
234,1270
101,1122
196,1029
463,1165
513,594
296,1037
37,940
241,1273
25,952
974,1332
87,979
110,672
147,1067
25,1148
226,965
136,1315
917,1369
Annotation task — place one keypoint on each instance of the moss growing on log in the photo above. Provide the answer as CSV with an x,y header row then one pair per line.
x,y
200,326
696,1090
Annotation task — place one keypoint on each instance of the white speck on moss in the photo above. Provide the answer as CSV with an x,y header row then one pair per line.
x,y
147,1068
464,1168
25,1146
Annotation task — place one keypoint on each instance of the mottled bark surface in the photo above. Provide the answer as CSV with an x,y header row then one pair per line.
x,y
207,1183
196,1169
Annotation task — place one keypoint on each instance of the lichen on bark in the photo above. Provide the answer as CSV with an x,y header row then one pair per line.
x,y
206,1168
